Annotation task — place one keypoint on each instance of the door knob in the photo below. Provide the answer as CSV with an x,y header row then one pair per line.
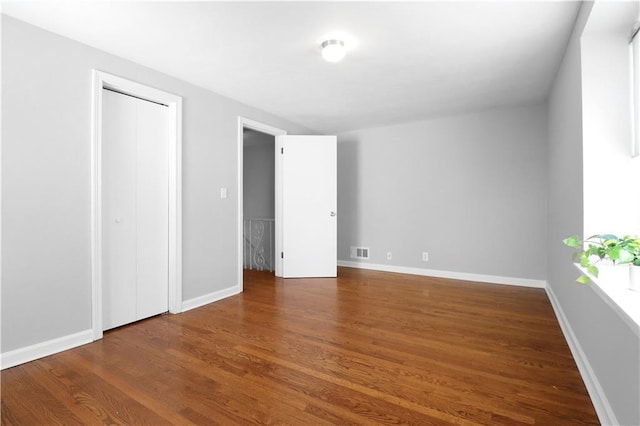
x,y
332,214
117,219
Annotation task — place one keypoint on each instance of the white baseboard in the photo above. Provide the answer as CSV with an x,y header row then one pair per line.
x,y
599,399
39,350
196,302
492,279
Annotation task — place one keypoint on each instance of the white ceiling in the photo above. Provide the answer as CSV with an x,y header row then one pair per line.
x,y
414,60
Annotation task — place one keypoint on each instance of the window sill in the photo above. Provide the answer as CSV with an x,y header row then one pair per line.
x,y
612,286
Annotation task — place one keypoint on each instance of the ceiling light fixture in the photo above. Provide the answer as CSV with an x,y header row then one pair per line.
x,y
333,50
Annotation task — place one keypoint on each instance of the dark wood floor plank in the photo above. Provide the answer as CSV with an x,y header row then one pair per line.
x,y
370,392
65,389
366,348
37,405
146,395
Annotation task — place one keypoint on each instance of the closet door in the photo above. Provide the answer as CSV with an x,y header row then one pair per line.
x,y
153,209
118,209
134,209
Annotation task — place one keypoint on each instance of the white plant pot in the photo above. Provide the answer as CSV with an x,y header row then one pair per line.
x,y
634,278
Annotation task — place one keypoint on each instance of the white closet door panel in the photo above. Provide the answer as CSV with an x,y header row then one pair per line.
x,y
118,209
152,209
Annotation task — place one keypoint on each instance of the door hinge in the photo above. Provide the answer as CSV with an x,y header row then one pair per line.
x,y
281,255
282,150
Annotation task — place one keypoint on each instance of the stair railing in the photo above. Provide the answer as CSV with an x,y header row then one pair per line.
x,y
258,244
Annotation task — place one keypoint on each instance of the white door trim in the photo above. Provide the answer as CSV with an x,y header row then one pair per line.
x,y
100,81
260,127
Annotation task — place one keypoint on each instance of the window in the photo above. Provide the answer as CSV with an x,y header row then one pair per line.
x,y
610,80
635,72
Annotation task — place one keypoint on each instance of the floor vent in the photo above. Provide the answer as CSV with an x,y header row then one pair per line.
x,y
359,253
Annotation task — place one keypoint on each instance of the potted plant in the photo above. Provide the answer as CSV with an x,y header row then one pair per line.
x,y
619,251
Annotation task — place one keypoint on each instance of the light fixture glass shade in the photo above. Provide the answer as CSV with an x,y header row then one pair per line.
x,y
333,50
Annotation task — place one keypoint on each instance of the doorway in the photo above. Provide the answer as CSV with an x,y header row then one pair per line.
x,y
305,192
258,201
171,197
260,133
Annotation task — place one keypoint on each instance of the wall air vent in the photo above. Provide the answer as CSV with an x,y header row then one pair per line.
x,y
359,253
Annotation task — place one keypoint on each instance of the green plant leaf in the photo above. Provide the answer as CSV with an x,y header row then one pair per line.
x,y
594,250
633,242
593,271
614,253
573,241
621,254
583,279
584,260
626,255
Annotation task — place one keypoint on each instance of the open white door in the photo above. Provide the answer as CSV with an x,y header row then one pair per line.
x,y
306,200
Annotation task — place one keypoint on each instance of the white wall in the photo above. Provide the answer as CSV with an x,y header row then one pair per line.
x,y
469,189
259,176
610,347
46,135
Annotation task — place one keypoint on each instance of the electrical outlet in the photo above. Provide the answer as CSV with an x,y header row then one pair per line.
x,y
425,256
388,255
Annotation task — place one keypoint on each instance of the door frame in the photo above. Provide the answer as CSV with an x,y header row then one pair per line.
x,y
248,123
101,80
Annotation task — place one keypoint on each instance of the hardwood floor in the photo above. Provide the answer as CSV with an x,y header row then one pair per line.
x,y
368,347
